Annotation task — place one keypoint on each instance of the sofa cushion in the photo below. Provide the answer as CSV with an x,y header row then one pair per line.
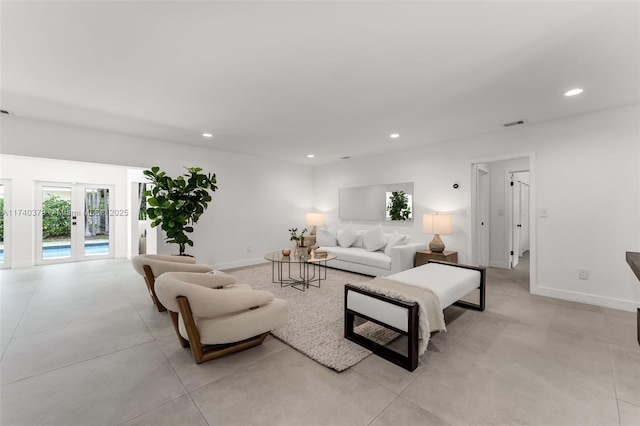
x,y
358,242
326,237
362,256
395,239
374,239
347,237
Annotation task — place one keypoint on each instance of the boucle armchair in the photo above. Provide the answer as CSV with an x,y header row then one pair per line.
x,y
151,266
215,316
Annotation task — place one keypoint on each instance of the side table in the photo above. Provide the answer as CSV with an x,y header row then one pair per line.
x,y
422,256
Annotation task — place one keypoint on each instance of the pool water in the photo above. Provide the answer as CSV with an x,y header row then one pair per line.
x,y
64,250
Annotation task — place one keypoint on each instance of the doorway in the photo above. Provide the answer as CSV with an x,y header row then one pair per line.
x,y
5,223
482,216
509,209
73,222
519,219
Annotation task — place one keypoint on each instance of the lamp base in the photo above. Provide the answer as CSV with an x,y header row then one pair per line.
x,y
436,245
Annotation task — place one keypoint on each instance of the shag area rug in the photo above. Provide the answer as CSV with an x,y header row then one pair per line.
x,y
316,316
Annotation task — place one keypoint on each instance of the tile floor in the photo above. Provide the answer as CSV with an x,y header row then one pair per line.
x,y
82,344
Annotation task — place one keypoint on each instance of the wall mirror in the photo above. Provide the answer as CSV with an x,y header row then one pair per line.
x,y
393,202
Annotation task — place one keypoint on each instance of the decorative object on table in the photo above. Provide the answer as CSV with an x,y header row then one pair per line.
x,y
437,224
176,204
320,254
286,252
314,219
301,249
297,237
398,206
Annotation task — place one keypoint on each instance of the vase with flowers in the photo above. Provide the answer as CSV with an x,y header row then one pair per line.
x,y
301,249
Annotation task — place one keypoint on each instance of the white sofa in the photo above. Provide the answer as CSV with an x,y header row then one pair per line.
x,y
361,254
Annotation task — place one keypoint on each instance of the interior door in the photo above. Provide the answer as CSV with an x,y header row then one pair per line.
x,y
483,203
515,221
73,223
524,218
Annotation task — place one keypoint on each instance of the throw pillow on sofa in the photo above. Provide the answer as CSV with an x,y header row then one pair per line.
x,y
347,237
374,238
326,237
395,239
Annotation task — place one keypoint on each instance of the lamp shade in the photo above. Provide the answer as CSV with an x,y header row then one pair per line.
x,y
315,219
437,224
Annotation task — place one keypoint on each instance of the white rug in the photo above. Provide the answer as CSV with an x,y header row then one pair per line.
x,y
316,316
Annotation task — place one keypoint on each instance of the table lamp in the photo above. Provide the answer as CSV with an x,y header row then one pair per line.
x,y
437,224
314,219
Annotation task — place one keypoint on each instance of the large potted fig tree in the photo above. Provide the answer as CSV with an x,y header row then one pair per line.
x,y
176,204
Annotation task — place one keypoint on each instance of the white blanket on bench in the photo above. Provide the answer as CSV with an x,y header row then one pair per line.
x,y
431,317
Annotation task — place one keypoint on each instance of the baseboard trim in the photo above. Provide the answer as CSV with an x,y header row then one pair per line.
x,y
591,299
239,264
501,265
17,265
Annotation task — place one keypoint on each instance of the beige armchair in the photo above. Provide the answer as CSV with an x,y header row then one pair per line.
x,y
151,266
216,316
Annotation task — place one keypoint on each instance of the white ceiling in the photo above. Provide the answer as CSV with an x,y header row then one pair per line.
x,y
285,79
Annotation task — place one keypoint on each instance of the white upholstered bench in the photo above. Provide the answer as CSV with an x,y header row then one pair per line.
x,y
398,309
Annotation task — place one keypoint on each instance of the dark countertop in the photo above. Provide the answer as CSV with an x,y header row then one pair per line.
x,y
633,259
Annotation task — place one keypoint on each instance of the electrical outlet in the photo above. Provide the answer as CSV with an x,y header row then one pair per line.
x,y
583,274
248,249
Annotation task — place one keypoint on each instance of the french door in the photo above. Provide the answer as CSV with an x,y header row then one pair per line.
x,y
5,224
73,222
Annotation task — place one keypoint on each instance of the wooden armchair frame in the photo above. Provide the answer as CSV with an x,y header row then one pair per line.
x,y
150,280
203,353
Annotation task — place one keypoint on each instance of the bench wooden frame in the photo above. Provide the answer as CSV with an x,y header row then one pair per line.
x,y
409,361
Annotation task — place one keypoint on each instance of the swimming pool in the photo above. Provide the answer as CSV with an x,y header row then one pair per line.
x,y
57,250
91,248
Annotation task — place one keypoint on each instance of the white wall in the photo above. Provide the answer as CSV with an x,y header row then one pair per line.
x,y
586,176
257,200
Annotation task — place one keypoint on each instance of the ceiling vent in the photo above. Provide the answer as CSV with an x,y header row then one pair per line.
x,y
345,158
6,112
515,123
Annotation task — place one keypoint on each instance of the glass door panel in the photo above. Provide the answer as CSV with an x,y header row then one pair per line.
x,y
57,223
96,222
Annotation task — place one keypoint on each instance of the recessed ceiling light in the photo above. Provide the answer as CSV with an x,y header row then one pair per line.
x,y
310,156
394,135
207,135
573,92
